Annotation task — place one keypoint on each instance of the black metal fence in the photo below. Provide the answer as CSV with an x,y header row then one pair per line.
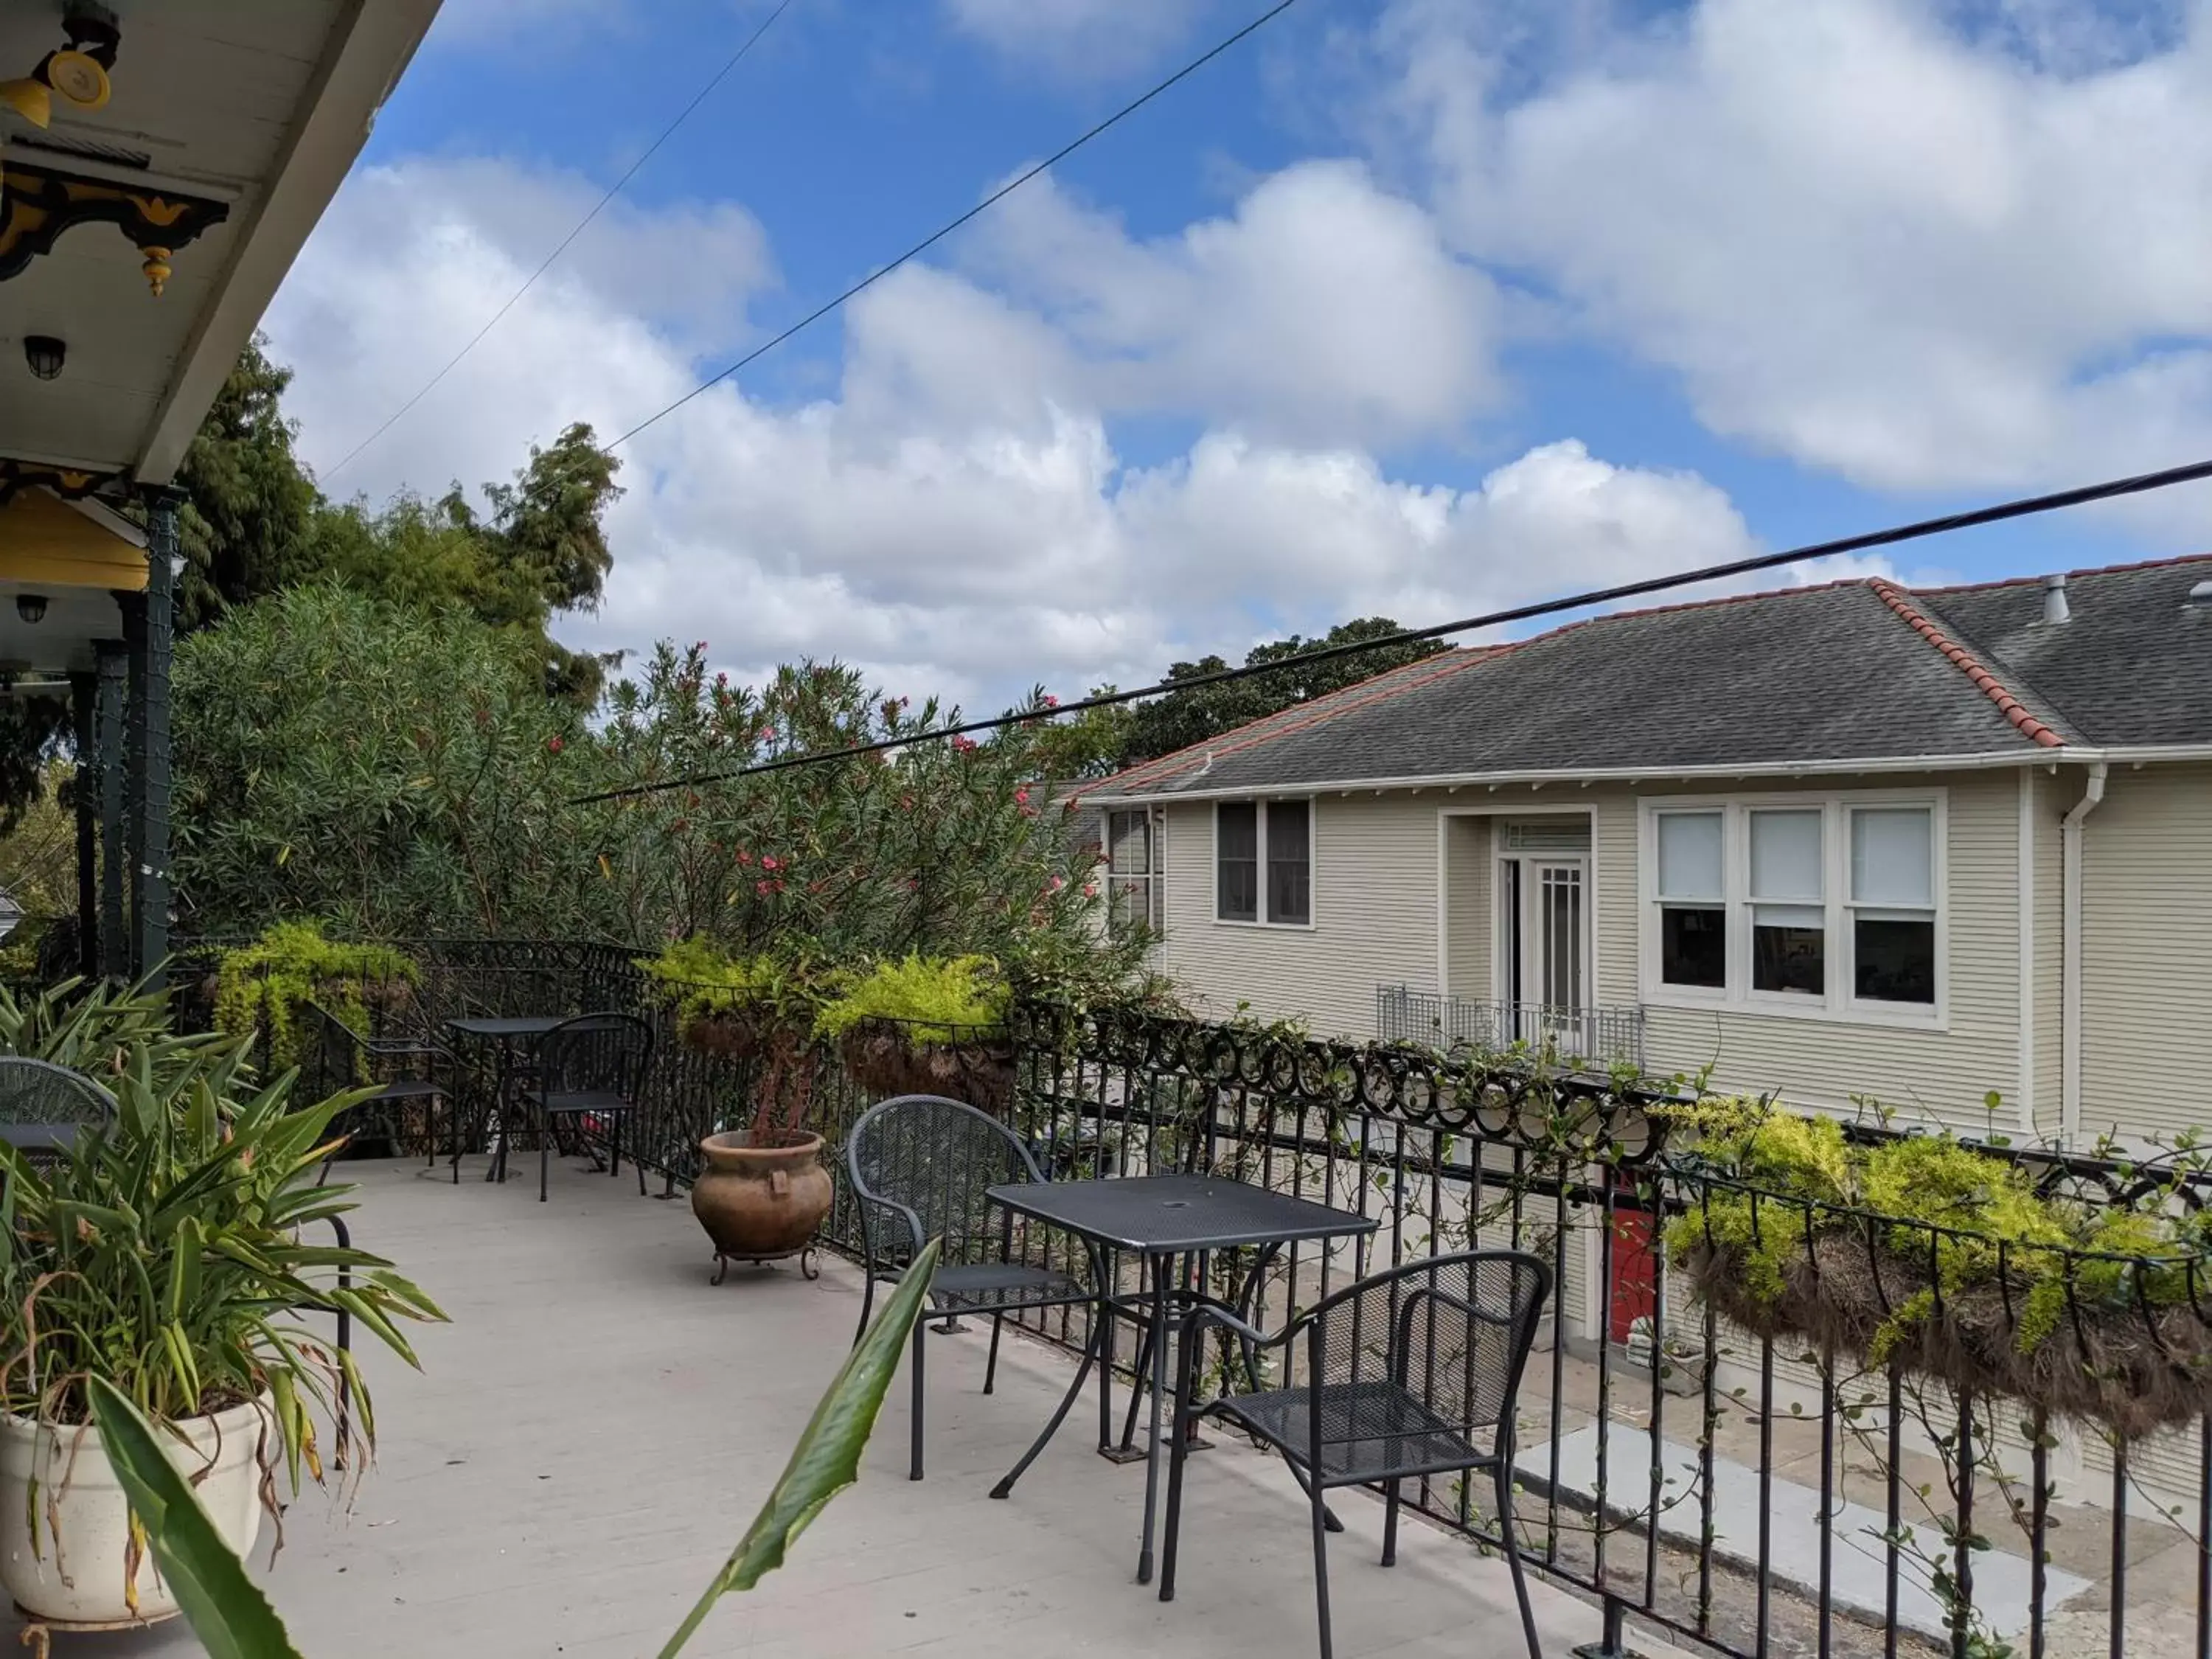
x,y
1746,1493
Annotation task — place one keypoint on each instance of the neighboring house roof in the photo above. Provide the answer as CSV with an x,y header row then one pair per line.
x,y
1855,671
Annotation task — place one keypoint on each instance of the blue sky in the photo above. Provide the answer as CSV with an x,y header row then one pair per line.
x,y
1402,305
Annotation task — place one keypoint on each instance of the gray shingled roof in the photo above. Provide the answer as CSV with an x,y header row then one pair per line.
x,y
2134,665
1809,675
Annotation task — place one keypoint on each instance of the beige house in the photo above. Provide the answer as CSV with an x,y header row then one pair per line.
x,y
1856,841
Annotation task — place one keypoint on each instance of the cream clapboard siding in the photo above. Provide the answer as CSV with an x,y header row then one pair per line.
x,y
1822,1063
1374,910
2147,952
1468,863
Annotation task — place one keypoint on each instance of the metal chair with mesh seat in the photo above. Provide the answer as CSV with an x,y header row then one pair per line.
x,y
920,1168
590,1073
1408,1375
404,1071
43,1106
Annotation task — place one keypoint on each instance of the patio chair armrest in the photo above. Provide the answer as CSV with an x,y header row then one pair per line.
x,y
1213,1313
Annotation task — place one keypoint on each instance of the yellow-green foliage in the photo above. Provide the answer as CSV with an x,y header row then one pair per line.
x,y
264,985
1978,1210
701,980
942,1000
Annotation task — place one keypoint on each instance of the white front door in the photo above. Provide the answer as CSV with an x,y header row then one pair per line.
x,y
1546,949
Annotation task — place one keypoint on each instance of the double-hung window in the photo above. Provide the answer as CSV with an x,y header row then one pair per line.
x,y
1136,868
1893,905
1263,862
1693,892
1824,906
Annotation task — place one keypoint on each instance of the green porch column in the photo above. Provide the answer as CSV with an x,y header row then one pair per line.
x,y
111,657
84,732
151,634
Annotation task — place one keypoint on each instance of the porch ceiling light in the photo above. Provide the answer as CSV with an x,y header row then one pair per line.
x,y
44,354
77,73
31,607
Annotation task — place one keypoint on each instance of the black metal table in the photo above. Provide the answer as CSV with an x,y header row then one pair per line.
x,y
507,1033
1166,1219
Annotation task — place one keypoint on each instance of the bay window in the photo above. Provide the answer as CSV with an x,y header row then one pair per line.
x,y
1263,862
1830,906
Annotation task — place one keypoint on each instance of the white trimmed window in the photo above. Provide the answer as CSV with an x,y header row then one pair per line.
x,y
1136,868
1263,862
1828,906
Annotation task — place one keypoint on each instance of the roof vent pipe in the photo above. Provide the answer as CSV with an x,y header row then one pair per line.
x,y
2199,593
2055,607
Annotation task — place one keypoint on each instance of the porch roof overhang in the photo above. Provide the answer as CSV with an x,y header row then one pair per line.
x,y
230,128
61,563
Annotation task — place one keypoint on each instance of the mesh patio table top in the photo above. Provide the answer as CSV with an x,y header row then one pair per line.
x,y
1177,1214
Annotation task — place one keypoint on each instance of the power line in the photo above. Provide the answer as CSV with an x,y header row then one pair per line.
x,y
2024,508
612,191
943,231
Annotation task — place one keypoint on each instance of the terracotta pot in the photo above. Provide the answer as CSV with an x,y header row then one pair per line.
x,y
758,1202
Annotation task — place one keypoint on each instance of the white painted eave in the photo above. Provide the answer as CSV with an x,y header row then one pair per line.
x,y
369,48
1997,760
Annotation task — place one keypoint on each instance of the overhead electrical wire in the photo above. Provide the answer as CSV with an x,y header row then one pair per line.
x,y
612,191
2024,508
945,230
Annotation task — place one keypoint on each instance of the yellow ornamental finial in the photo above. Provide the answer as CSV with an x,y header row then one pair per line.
x,y
156,269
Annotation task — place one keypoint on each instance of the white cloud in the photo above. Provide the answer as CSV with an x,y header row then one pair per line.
x,y
1076,38
956,516
1862,236
1323,308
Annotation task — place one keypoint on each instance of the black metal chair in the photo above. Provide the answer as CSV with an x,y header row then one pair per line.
x,y
589,1067
1409,1374
43,1106
404,1070
919,1167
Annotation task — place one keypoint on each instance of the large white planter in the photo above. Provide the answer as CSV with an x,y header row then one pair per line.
x,y
73,1571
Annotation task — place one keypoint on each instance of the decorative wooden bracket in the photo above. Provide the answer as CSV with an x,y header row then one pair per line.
x,y
67,483
38,203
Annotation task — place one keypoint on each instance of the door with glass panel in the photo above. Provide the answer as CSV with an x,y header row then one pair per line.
x,y
1546,953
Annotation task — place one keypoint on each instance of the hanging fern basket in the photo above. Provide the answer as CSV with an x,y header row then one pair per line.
x,y
2120,1341
970,1063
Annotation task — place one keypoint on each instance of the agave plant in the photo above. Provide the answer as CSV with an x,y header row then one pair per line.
x,y
180,1257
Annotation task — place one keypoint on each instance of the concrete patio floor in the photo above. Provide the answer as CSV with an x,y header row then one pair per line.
x,y
598,1424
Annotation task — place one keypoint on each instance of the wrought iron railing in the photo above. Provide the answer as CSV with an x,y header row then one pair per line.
x,y
1605,1036
1738,1490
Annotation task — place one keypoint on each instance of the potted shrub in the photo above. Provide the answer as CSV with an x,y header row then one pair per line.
x,y
165,1257
927,1025
763,1190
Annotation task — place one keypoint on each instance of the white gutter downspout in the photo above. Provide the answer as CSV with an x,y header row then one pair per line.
x,y
2070,1014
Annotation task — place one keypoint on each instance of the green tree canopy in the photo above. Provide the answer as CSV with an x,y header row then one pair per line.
x,y
1192,714
255,524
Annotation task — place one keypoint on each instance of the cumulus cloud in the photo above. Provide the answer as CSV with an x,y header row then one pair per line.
x,y
1924,248
1323,308
956,514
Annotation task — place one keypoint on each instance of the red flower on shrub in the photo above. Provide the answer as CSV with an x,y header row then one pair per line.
x,y
768,861
553,745
1091,890
745,858
761,887
1051,702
